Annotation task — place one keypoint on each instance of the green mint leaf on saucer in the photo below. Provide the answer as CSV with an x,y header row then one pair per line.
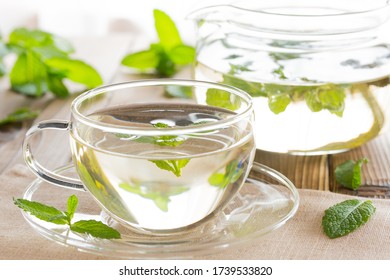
x,y
95,228
72,206
165,57
42,211
56,216
19,115
43,62
347,216
348,174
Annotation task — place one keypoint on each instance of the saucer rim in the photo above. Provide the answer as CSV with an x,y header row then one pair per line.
x,y
165,251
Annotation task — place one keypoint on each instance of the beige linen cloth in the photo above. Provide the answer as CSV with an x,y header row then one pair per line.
x,y
301,238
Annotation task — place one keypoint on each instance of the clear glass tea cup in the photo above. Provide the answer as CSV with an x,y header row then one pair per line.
x,y
156,163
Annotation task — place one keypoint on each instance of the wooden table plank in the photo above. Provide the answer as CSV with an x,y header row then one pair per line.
x,y
306,172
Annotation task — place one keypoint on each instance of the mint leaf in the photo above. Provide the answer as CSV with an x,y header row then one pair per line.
x,y
182,54
279,72
42,211
166,30
348,173
43,61
164,140
167,140
75,70
165,67
143,60
95,228
174,166
218,180
19,115
28,75
222,99
233,172
347,216
57,86
160,198
278,102
329,97
72,206
25,38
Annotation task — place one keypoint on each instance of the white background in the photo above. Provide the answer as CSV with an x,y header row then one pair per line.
x,y
72,18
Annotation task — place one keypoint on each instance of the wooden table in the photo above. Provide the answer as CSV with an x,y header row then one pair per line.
x,y
307,172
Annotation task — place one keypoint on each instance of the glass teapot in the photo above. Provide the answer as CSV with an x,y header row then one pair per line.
x,y
318,71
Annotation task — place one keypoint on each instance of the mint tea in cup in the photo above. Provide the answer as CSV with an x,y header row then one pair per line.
x,y
156,163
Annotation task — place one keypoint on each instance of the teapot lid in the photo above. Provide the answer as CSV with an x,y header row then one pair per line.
x,y
304,17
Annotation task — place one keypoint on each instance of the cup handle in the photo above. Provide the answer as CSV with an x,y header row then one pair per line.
x,y
37,168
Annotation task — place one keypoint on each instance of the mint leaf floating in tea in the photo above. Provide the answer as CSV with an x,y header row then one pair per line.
x,y
347,216
167,140
165,57
53,215
233,171
175,165
160,198
278,102
318,97
44,62
222,99
19,115
348,174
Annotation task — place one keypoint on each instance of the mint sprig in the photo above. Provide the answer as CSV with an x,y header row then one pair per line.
x,y
56,216
43,63
165,57
347,216
349,173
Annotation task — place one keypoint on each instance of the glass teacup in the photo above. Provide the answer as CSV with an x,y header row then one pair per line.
x,y
154,162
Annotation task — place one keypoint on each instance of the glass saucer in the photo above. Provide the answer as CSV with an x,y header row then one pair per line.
x,y
266,201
